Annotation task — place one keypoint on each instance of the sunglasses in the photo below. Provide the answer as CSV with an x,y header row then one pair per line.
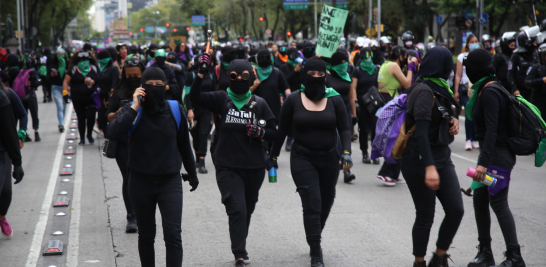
x,y
234,75
132,62
83,54
368,54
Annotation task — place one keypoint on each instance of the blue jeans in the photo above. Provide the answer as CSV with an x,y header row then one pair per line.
x,y
468,124
57,92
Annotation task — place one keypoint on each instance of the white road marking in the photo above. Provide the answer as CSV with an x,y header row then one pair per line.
x,y
74,232
475,161
38,237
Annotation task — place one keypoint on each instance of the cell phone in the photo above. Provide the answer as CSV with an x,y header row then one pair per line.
x,y
123,102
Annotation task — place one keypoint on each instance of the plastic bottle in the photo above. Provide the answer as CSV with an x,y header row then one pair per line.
x,y
273,175
489,181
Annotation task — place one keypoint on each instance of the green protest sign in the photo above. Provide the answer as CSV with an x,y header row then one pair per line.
x,y
332,22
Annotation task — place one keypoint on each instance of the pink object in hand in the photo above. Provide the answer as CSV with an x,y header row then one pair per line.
x,y
6,228
470,172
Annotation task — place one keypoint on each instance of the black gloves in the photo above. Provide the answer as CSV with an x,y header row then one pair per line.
x,y
254,131
194,182
346,159
271,162
18,173
355,120
204,63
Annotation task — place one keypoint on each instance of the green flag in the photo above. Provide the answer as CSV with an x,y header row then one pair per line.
x,y
332,22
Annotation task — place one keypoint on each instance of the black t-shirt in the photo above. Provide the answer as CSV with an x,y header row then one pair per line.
x,y
107,80
114,104
365,80
223,80
207,85
500,62
294,78
78,89
271,89
341,86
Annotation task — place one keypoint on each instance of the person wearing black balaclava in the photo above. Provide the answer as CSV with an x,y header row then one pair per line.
x,y
521,61
294,76
242,122
535,81
157,148
339,80
202,123
150,52
253,57
501,60
221,70
160,61
179,73
308,49
426,162
107,80
378,58
489,108
318,115
281,57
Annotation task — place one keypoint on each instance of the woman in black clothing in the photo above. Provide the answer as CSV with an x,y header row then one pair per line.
x,y
202,120
106,80
30,77
489,108
120,56
318,114
81,75
183,53
364,77
339,80
242,121
157,148
130,80
426,163
221,70
160,59
179,74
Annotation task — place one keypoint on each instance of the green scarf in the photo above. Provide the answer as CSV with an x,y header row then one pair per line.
x,y
22,134
255,65
440,82
226,65
239,100
103,63
366,64
329,91
149,58
129,56
291,62
160,53
263,73
341,70
328,66
472,100
62,65
84,67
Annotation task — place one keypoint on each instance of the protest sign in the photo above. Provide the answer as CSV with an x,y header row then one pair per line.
x,y
332,22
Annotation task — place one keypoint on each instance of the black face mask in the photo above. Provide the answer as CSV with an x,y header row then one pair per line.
x,y
160,61
264,58
134,82
240,86
308,52
155,95
171,60
314,87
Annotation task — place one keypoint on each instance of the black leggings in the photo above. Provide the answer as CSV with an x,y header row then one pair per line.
x,y
200,133
147,193
102,120
121,160
86,116
366,122
424,199
239,189
32,105
5,183
315,174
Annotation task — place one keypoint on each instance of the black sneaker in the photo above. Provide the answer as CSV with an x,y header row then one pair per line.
x,y
366,158
81,143
61,128
201,167
246,259
131,224
27,139
376,161
348,176
240,263
37,137
316,257
484,258
90,139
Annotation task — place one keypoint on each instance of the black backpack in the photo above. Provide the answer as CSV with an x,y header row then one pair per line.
x,y
524,129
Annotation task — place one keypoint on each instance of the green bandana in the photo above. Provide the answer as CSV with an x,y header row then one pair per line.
x,y
22,134
103,63
84,67
440,82
272,59
263,73
291,62
226,65
328,66
239,100
149,58
472,100
160,53
329,91
129,56
366,64
341,70
255,65
62,65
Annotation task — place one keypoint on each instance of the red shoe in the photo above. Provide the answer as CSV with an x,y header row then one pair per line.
x,y
387,181
6,228
400,181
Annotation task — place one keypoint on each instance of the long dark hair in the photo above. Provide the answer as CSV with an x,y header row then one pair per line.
x,y
119,59
125,90
186,52
396,52
75,59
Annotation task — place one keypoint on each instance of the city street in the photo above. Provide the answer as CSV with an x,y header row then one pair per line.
x,y
370,224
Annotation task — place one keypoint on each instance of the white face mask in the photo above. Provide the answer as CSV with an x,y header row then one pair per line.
x,y
409,43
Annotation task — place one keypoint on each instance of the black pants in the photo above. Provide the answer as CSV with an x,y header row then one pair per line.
x,y
102,120
424,198
5,183
366,123
390,170
239,189
121,160
86,116
46,88
147,193
200,133
315,174
32,105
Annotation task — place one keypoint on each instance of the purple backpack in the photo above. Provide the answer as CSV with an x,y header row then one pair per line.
x,y
390,120
20,85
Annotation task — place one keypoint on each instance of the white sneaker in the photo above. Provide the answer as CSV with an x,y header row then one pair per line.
x,y
475,144
468,145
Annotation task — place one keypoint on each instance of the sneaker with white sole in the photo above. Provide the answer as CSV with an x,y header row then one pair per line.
x,y
475,144
387,181
399,181
6,228
468,145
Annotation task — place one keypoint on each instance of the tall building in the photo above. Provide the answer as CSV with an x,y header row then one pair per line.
x,y
137,4
99,19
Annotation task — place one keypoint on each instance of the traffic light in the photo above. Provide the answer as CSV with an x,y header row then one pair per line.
x,y
130,33
288,33
141,30
69,42
174,30
167,24
187,28
240,39
261,19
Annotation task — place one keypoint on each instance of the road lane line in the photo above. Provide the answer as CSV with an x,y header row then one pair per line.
x,y
74,232
38,237
475,161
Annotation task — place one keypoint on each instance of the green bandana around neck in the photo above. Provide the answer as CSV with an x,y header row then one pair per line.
x,y
470,105
226,65
62,65
253,64
84,67
366,64
272,59
263,73
291,62
329,91
440,82
149,58
239,100
103,63
160,53
341,70
328,66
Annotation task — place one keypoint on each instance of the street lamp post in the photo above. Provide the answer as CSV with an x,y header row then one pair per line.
x,y
156,21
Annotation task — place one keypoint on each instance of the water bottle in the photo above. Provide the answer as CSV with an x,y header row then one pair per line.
x,y
299,60
273,175
489,181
